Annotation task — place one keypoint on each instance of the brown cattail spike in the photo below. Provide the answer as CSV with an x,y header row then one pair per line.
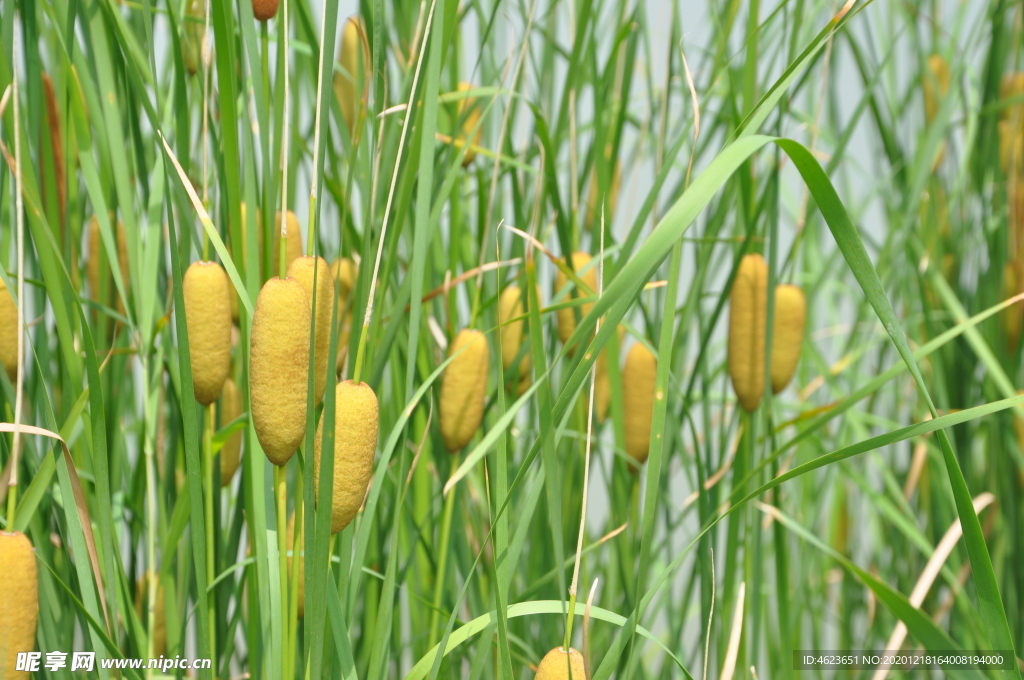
x,y
748,308
264,10
463,389
279,366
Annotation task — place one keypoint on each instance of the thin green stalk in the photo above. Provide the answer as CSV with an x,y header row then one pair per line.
x,y
442,558
208,493
281,494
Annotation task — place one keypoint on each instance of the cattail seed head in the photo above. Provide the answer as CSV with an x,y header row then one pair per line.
x,y
192,37
351,84
463,389
638,387
293,244
559,665
747,310
207,293
279,366
567,315
602,380
231,451
356,416
264,10
302,270
788,336
19,602
9,330
510,307
469,115
159,632
345,272
935,86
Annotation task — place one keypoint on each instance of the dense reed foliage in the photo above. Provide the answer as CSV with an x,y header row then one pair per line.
x,y
681,334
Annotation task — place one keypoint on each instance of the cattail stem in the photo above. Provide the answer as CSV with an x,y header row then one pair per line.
x,y
281,493
442,564
293,602
312,229
211,488
19,381
586,458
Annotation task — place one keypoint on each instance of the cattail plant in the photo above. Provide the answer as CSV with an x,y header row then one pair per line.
x,y
303,269
355,442
747,321
19,601
463,389
8,332
279,366
638,386
559,665
581,264
788,335
350,85
207,293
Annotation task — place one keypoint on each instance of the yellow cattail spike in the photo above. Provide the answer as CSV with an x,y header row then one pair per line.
x,y
279,366
8,332
511,309
302,270
192,37
587,274
302,563
241,258
559,665
351,84
345,273
159,632
264,10
463,389
470,129
602,380
293,246
231,452
1012,86
747,310
638,386
1011,145
355,442
788,336
935,86
19,602
207,292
